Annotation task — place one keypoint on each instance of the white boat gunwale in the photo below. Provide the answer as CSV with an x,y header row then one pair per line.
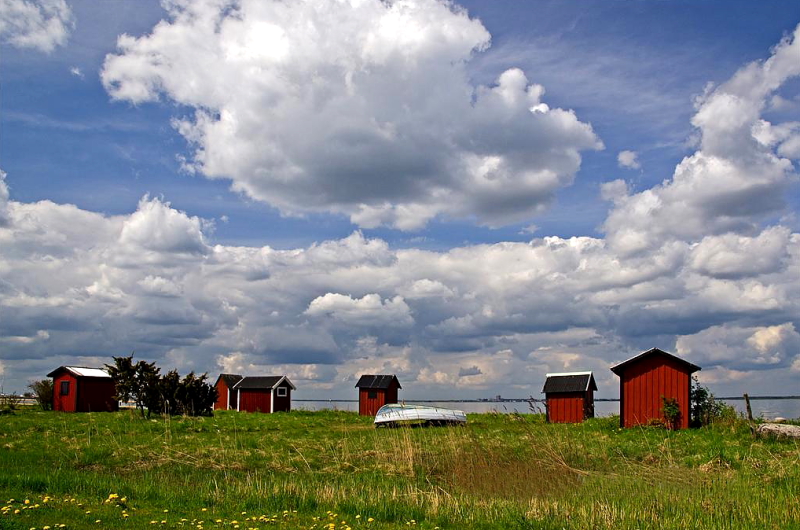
x,y
399,414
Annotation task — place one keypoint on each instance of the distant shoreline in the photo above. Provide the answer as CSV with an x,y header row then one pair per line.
x,y
526,400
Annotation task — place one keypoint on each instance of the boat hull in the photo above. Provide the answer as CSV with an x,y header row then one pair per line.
x,y
395,415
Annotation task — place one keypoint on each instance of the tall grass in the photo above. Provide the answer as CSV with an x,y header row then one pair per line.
x,y
500,471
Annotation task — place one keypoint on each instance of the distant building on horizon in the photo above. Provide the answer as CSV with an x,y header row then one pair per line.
x,y
267,393
375,391
569,397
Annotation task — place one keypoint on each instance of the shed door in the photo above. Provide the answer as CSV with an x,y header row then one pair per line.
x,y
64,392
283,398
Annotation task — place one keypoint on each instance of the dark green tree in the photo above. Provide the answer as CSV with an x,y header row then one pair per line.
x,y
142,383
170,385
196,396
137,382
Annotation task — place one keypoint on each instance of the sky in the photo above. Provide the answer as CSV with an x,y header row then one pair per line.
x,y
468,195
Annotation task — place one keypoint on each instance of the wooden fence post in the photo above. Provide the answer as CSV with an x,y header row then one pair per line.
x,y
749,414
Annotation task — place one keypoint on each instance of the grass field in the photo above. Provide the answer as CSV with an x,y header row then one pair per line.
x,y
333,470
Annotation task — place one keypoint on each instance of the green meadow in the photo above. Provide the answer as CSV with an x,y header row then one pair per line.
x,y
334,470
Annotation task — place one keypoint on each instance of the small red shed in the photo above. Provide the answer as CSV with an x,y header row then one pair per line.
x,y
375,391
270,393
646,380
81,389
569,397
226,398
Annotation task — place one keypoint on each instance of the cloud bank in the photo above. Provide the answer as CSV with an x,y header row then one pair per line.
x,y
700,263
358,108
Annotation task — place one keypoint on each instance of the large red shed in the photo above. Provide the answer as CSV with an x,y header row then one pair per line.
x,y
569,397
375,391
270,393
646,380
81,389
226,398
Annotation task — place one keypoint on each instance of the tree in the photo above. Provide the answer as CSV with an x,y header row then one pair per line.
x,y
43,392
195,396
136,382
142,384
170,388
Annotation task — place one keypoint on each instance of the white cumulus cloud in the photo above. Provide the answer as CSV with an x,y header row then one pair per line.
x,y
733,181
743,348
367,311
628,159
359,108
39,24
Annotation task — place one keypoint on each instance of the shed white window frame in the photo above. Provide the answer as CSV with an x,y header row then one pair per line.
x,y
281,391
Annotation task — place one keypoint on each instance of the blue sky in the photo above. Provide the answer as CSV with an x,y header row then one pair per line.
x,y
400,195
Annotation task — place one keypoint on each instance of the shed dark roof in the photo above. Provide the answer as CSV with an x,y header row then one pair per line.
x,y
262,382
619,368
377,381
569,382
230,379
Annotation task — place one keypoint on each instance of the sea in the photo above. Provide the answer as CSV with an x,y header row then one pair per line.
x,y
767,408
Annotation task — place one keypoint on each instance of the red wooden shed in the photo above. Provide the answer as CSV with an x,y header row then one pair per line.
x,y
81,389
646,380
226,398
569,397
269,393
375,391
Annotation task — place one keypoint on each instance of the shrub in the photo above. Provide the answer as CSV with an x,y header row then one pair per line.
x,y
195,396
672,412
191,396
43,392
9,403
706,409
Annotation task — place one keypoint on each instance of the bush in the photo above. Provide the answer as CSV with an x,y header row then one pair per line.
x,y
191,395
9,403
707,410
195,396
43,392
672,412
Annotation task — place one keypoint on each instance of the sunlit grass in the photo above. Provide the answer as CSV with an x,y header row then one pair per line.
x,y
317,469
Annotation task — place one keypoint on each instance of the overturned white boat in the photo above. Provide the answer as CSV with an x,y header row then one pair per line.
x,y
396,414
